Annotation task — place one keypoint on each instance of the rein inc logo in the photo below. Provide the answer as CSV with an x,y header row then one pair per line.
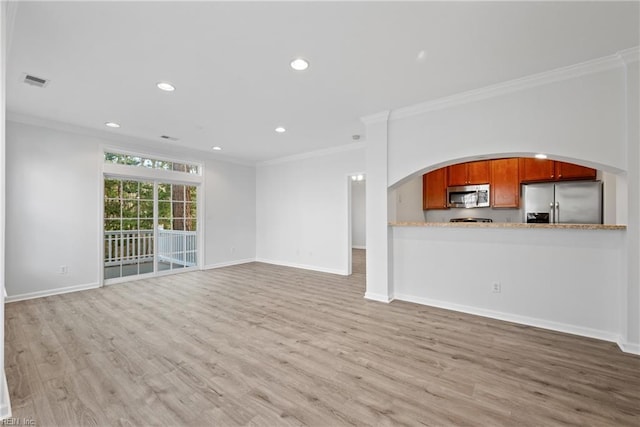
x,y
18,422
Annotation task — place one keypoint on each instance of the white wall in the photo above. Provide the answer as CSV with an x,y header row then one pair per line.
x,y
302,210
566,280
587,113
408,200
379,212
5,33
53,206
580,118
53,209
358,214
631,303
230,213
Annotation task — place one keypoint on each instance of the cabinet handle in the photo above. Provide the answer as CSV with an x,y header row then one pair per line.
x,y
560,176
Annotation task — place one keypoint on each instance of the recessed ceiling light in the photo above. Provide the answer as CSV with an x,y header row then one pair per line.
x,y
216,148
540,156
280,129
170,138
299,64
112,124
167,87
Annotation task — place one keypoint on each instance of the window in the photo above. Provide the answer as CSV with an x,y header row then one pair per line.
x,y
145,162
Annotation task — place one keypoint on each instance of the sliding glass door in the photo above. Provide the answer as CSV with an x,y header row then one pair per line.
x,y
148,227
177,226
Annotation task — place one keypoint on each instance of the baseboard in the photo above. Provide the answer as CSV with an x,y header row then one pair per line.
x,y
358,247
628,347
50,292
5,405
523,320
228,263
304,266
378,297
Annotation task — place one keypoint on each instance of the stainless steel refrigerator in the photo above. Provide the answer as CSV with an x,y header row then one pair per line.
x,y
563,203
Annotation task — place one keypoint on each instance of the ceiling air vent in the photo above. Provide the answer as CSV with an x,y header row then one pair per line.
x,y
169,138
35,81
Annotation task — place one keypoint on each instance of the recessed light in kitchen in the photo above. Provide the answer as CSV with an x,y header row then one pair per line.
x,y
299,64
540,156
167,87
112,125
216,148
280,129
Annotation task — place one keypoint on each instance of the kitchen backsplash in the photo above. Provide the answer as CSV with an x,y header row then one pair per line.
x,y
497,215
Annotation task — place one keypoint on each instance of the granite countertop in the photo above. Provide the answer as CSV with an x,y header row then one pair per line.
x,y
508,225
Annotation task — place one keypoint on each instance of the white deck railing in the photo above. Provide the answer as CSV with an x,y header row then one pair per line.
x,y
178,247
135,246
128,247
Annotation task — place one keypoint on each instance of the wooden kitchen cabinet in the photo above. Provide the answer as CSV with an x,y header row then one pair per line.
x,y
566,171
434,189
542,170
470,173
536,170
457,174
505,183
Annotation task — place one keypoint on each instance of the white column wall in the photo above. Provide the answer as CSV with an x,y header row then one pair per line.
x,y
632,297
5,404
379,280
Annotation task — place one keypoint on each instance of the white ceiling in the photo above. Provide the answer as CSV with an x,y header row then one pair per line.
x,y
230,63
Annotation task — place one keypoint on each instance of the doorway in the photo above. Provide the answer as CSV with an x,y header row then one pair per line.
x,y
358,223
149,227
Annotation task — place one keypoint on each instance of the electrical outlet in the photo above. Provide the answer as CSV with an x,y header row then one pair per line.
x,y
62,269
233,250
496,287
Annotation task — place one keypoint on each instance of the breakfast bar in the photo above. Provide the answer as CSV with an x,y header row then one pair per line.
x,y
565,277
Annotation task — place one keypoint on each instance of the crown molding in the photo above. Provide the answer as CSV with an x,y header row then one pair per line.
x,y
312,154
630,55
382,116
560,74
151,146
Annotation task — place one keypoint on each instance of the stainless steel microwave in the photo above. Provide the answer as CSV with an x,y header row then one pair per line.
x,y
468,196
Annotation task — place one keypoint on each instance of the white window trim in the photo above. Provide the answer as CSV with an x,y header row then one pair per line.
x,y
142,173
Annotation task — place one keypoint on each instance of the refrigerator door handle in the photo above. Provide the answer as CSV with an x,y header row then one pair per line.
x,y
552,216
557,216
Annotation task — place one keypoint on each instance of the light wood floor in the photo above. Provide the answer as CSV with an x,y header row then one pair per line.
x,y
264,345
